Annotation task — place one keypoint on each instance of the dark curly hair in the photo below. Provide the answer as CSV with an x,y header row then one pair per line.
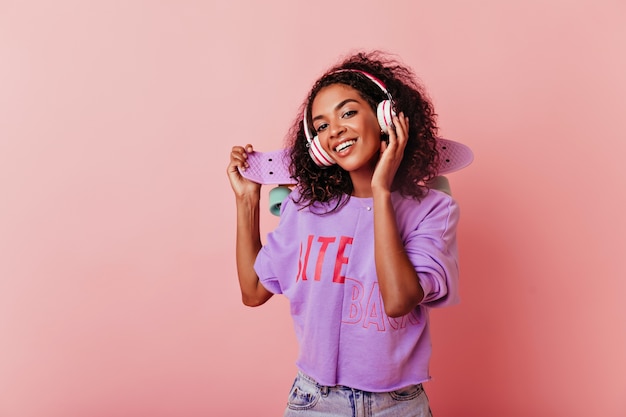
x,y
333,184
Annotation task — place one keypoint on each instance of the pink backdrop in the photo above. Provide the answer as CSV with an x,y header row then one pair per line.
x,y
118,294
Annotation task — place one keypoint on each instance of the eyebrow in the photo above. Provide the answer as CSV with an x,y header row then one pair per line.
x,y
337,107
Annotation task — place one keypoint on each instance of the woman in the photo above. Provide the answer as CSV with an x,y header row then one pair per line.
x,y
363,248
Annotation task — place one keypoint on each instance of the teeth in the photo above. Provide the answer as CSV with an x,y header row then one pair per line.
x,y
345,145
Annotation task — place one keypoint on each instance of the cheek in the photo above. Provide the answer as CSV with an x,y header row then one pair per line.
x,y
374,128
372,123
323,138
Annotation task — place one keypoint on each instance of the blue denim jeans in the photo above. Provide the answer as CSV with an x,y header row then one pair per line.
x,y
307,398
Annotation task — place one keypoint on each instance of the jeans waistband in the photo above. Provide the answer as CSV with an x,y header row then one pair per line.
x,y
329,387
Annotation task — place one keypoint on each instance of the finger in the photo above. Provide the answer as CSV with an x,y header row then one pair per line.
x,y
395,131
238,150
402,131
238,158
405,125
383,146
243,149
400,121
234,166
391,133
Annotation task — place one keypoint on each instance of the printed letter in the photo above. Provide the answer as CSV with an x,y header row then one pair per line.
x,y
353,312
343,242
325,241
299,264
306,257
374,311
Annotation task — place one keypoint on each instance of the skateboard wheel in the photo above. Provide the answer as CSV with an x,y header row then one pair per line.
x,y
440,183
277,196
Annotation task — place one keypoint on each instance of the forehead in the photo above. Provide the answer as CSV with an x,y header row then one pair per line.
x,y
330,96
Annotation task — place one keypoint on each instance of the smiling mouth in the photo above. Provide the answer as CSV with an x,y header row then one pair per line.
x,y
344,145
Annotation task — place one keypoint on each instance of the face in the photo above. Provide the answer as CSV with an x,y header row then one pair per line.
x,y
347,127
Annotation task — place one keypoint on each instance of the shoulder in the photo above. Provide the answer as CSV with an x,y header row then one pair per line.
x,y
434,207
291,203
296,203
433,199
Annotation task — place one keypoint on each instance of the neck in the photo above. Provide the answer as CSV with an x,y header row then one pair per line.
x,y
362,184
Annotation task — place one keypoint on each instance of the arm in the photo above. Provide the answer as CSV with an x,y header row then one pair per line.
x,y
399,284
248,245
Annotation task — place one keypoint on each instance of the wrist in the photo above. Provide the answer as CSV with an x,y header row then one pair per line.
x,y
248,199
379,193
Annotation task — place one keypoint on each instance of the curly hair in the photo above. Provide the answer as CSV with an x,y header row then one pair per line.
x,y
333,184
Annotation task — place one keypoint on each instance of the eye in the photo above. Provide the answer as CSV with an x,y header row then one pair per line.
x,y
321,127
349,113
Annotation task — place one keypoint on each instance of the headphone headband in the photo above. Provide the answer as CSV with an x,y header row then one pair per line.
x,y
372,78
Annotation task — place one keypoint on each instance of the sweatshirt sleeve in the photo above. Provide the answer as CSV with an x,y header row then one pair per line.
x,y
276,256
432,248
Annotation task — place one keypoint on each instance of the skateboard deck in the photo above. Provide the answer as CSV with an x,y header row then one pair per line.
x,y
273,167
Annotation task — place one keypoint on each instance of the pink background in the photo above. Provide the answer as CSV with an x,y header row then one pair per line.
x,y
118,293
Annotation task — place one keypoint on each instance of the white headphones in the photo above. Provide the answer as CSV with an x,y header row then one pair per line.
x,y
384,113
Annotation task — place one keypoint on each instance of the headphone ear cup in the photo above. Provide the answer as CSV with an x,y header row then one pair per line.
x,y
385,114
318,154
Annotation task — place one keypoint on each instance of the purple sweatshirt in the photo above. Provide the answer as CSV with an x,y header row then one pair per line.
x,y
324,265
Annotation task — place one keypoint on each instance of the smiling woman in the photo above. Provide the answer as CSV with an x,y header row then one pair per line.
x,y
364,249
385,86
118,292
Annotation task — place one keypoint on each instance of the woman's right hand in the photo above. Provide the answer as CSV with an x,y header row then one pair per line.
x,y
241,186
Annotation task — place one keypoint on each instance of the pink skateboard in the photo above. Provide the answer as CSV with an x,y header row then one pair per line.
x,y
273,168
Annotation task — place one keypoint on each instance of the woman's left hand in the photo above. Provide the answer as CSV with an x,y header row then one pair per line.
x,y
391,154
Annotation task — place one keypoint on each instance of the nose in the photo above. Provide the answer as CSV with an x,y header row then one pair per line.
x,y
336,129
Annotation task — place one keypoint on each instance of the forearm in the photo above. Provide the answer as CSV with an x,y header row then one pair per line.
x,y
248,246
398,281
